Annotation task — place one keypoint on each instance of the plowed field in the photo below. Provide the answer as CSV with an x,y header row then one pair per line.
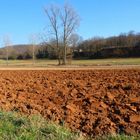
x,y
92,101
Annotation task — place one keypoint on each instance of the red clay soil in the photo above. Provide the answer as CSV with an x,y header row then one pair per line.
x,y
92,101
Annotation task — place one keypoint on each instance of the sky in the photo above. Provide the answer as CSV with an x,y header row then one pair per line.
x,y
19,19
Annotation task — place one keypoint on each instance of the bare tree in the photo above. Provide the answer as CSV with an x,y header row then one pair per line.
x,y
75,40
33,40
63,22
7,44
70,21
52,13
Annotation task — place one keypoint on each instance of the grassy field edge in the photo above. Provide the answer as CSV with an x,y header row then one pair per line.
x,y
91,62
14,126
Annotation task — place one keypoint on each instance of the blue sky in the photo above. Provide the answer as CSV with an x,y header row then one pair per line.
x,y
21,18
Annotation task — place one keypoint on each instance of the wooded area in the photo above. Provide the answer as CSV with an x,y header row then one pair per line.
x,y
124,45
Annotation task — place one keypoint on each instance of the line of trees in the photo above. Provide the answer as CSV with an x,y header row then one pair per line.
x,y
124,45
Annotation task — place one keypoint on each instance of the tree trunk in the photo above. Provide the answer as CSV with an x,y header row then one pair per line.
x,y
64,55
33,54
59,57
7,55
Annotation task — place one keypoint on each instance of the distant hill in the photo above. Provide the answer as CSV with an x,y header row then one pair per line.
x,y
21,48
16,50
